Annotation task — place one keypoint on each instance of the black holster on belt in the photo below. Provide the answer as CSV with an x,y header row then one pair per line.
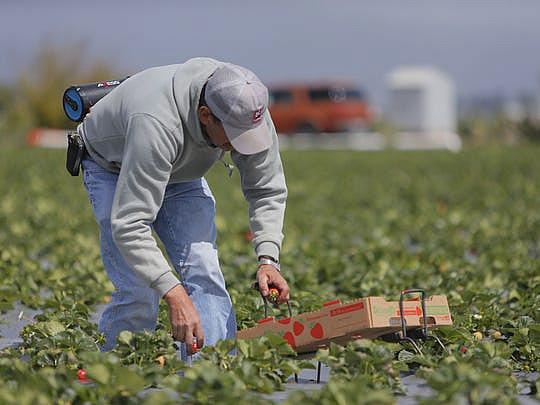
x,y
75,152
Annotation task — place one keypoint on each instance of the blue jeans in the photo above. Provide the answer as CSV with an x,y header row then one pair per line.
x,y
185,225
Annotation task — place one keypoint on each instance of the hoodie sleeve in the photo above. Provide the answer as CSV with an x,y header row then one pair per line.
x,y
263,185
149,152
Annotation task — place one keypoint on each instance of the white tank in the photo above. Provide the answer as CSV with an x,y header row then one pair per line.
x,y
421,99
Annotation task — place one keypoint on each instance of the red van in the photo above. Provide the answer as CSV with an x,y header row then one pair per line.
x,y
320,107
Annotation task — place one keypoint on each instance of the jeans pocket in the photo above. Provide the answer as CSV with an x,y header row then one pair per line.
x,y
95,173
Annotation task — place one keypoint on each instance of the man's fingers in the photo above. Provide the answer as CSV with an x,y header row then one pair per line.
x,y
277,281
268,277
181,333
283,289
199,334
283,293
263,284
189,341
185,323
178,332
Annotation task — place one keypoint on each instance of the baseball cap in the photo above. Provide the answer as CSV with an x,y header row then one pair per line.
x,y
238,98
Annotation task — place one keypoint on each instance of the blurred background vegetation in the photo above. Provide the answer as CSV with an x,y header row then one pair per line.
x,y
34,100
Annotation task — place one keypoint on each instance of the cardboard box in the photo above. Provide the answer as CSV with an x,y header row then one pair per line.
x,y
339,322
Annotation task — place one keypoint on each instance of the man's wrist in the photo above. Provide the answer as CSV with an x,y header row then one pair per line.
x,y
270,261
269,258
166,282
178,292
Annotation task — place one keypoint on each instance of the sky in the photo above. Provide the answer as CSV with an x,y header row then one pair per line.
x,y
486,47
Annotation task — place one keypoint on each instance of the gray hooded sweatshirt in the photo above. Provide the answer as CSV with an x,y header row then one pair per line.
x,y
147,130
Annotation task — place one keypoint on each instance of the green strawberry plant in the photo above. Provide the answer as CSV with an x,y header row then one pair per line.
x,y
357,224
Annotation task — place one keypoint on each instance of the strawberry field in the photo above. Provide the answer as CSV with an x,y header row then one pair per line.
x,y
357,224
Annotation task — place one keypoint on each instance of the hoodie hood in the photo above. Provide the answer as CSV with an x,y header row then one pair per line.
x,y
188,81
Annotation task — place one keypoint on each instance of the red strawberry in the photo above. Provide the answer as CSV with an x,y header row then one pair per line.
x,y
273,295
288,336
317,331
81,375
463,350
298,328
194,346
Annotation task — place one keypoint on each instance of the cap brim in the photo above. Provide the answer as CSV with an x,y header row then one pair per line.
x,y
249,142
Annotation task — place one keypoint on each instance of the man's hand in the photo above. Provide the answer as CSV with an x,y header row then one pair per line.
x,y
267,277
185,322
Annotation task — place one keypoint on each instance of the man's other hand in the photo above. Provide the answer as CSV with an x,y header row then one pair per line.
x,y
185,322
268,277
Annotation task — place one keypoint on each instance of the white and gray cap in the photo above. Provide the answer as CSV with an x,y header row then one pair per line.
x,y
238,98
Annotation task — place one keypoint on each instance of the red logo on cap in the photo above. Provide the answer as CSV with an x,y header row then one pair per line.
x,y
258,114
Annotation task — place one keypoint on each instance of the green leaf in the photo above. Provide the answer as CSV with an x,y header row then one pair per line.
x,y
53,328
129,380
125,337
243,347
99,373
